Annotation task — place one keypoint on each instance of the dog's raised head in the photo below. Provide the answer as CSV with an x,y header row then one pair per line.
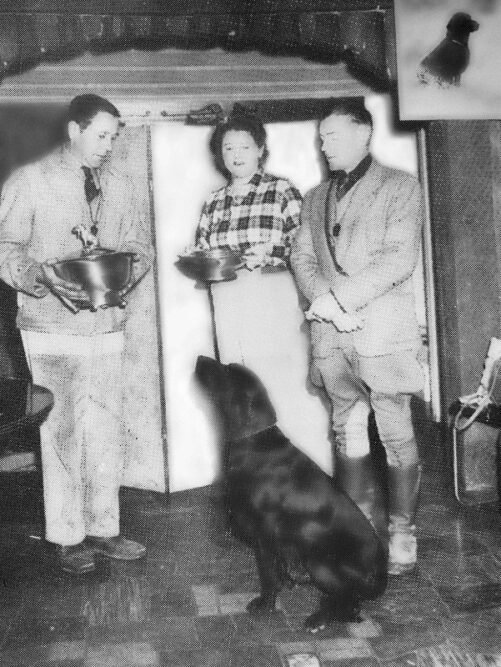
x,y
238,395
460,26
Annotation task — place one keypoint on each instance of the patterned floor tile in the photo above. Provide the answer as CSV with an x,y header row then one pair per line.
x,y
354,662
168,634
40,655
455,544
450,655
173,600
257,656
206,600
128,654
473,598
45,632
216,631
345,649
399,639
475,633
301,660
236,603
263,629
66,651
409,660
204,658
297,648
367,628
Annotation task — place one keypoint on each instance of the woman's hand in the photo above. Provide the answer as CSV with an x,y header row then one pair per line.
x,y
257,255
191,249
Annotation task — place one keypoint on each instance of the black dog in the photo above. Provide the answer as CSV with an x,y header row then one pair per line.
x,y
445,64
293,514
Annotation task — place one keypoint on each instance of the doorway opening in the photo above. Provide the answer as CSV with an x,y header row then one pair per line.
x,y
183,176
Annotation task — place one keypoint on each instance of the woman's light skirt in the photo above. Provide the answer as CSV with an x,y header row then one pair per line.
x,y
259,323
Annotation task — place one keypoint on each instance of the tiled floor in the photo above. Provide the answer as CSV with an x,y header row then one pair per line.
x,y
184,606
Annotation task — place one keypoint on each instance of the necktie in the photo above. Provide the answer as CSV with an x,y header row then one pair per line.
x,y
342,184
332,227
91,192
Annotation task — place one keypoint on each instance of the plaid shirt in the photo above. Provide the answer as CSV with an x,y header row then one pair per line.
x,y
267,213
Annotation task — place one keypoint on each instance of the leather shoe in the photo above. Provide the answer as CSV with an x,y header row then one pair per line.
x,y
75,559
117,547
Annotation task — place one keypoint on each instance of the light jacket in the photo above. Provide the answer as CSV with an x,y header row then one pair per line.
x,y
39,206
375,255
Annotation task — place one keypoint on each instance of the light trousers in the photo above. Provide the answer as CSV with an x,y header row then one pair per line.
x,y
81,440
357,384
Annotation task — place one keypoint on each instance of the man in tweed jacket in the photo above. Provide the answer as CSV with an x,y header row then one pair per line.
x,y
353,259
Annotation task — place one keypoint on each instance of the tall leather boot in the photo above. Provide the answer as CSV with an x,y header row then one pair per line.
x,y
403,492
356,477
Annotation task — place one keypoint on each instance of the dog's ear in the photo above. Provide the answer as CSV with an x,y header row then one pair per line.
x,y
251,407
259,412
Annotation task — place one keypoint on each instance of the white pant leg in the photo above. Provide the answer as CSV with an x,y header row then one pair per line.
x,y
61,447
81,442
103,450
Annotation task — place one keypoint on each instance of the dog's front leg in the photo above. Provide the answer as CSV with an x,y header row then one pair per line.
x,y
269,565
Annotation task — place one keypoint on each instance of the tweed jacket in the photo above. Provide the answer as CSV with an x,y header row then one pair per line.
x,y
40,205
369,265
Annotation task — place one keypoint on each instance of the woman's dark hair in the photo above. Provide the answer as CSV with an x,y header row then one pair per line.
x,y
240,120
83,108
348,106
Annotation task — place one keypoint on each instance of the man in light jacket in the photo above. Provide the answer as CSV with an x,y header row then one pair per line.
x,y
353,259
77,356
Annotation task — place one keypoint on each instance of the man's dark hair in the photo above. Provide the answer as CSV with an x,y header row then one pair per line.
x,y
83,108
240,120
352,107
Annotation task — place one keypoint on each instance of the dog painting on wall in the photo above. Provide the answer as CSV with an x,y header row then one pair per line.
x,y
302,527
445,64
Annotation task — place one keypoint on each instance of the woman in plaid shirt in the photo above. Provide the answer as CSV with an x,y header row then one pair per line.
x,y
258,317
255,212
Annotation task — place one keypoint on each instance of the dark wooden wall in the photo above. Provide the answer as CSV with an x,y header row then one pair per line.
x,y
465,172
26,132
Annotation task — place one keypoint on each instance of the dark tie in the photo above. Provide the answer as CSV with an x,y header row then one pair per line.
x,y
91,192
342,184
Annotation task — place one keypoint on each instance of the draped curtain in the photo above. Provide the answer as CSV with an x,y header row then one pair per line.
x,y
143,409
360,38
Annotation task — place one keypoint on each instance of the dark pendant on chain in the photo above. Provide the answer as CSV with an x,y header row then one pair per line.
x,y
93,230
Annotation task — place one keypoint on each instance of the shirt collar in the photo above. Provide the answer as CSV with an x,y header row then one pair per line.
x,y
355,174
70,160
256,178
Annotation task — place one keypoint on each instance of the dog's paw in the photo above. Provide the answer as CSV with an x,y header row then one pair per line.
x,y
261,605
317,621
327,615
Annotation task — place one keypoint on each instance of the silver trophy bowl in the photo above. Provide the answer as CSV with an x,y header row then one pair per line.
x,y
213,265
102,273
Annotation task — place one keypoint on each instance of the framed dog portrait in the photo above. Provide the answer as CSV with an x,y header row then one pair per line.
x,y
449,58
